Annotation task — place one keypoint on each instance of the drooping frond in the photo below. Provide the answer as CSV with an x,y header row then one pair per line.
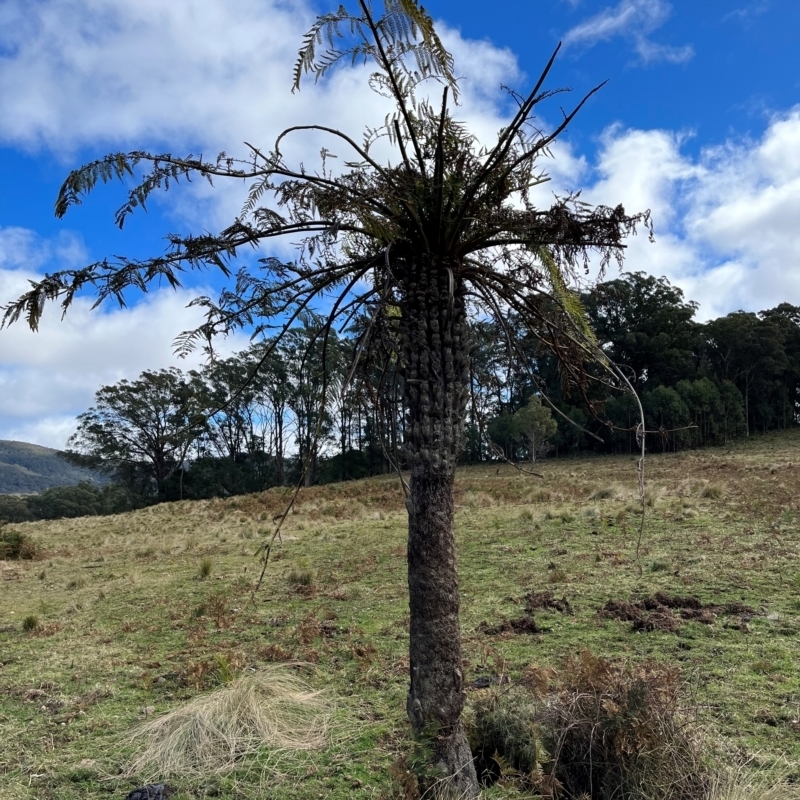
x,y
165,169
82,181
569,300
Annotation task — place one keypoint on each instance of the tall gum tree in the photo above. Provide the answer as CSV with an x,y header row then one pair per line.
x,y
414,244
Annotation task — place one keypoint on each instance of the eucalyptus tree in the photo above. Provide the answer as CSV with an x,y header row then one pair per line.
x,y
749,352
444,228
644,323
268,365
312,362
787,317
140,431
231,414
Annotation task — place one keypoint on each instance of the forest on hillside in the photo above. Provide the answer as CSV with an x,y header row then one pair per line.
x,y
29,468
299,412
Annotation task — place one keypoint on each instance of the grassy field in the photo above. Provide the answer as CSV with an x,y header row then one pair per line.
x,y
134,615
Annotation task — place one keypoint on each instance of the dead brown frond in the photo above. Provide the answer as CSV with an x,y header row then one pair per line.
x,y
617,730
595,729
269,710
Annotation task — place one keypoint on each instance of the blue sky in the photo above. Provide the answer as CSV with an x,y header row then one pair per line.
x,y
700,121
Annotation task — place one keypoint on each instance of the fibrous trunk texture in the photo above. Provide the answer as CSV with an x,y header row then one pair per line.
x,y
436,373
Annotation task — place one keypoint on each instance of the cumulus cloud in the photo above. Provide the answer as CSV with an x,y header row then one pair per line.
x,y
189,75
726,220
633,20
48,377
186,74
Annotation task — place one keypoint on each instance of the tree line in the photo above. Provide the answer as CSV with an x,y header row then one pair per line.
x,y
292,410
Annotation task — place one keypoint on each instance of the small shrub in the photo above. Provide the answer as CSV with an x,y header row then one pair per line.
x,y
30,623
75,583
504,737
606,493
226,671
16,545
713,491
300,577
205,568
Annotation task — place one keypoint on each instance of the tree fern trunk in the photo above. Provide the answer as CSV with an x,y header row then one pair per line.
x,y
436,372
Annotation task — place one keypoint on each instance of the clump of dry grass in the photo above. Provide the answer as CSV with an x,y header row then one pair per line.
x,y
712,491
206,566
741,784
269,710
301,577
606,493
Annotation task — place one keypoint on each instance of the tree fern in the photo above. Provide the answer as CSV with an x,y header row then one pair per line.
x,y
447,228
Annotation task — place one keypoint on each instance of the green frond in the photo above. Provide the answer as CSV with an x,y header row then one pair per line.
x,y
570,301
255,194
326,28
405,29
81,181
422,26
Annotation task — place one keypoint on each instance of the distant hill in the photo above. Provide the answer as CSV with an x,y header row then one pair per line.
x,y
29,468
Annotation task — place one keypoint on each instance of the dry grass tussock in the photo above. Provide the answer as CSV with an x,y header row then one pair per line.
x,y
269,710
739,784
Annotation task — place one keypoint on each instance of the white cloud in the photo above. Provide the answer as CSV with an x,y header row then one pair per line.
x,y
46,431
633,20
746,13
186,73
652,52
88,71
48,377
22,248
726,220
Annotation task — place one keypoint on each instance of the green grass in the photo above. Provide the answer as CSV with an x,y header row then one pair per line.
x,y
126,631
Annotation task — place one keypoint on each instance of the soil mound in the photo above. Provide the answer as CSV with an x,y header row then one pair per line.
x,y
665,612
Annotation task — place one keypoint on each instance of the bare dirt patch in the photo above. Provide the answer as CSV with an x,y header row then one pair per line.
x,y
523,624
665,612
534,601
